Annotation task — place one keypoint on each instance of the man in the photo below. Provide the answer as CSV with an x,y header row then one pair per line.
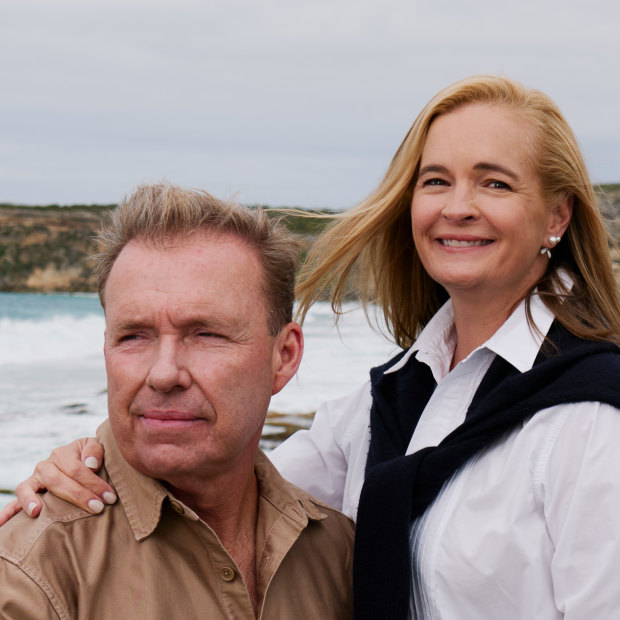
x,y
198,299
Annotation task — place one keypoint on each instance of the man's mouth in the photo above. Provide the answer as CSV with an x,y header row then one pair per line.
x,y
170,420
169,416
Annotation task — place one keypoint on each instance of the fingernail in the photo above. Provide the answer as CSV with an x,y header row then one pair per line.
x,y
95,505
30,507
91,462
109,498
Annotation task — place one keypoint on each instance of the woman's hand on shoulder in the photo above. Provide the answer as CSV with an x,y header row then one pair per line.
x,y
69,474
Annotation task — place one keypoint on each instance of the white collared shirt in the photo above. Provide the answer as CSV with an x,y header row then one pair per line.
x,y
529,528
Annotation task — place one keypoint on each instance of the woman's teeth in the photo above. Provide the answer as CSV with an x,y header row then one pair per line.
x,y
453,243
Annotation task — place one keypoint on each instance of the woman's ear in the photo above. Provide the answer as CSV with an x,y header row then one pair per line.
x,y
560,217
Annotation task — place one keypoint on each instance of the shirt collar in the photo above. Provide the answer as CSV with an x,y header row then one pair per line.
x,y
515,340
142,497
285,496
435,344
518,342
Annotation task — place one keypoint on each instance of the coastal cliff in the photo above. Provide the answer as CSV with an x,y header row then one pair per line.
x,y
609,201
47,249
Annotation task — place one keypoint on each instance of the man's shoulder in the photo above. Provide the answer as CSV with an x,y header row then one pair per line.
x,y
330,529
59,555
317,541
20,537
335,518
320,520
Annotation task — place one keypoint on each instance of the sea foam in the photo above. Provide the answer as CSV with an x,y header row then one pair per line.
x,y
60,337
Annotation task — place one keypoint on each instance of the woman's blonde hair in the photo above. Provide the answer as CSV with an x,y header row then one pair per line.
x,y
369,250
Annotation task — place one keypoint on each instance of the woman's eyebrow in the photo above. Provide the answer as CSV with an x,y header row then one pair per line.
x,y
433,168
487,166
496,168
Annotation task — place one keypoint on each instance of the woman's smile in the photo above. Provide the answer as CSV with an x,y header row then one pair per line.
x,y
479,217
464,243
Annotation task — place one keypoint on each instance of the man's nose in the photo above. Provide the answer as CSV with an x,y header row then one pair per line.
x,y
168,370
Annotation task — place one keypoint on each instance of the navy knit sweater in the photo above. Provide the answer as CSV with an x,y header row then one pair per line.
x,y
399,488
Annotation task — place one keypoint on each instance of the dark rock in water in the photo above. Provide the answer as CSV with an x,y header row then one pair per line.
x,y
76,408
280,426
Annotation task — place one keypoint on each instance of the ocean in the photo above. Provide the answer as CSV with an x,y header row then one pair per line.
x,y
53,385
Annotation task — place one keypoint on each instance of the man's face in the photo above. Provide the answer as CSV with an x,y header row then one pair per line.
x,y
190,362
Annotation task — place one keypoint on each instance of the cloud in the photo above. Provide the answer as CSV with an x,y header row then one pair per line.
x,y
294,102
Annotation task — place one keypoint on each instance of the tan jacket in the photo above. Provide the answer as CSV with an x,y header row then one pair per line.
x,y
149,556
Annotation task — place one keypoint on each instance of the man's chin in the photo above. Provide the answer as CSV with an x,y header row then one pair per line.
x,y
164,460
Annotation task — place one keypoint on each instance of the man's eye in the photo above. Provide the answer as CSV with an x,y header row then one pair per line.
x,y
207,334
128,337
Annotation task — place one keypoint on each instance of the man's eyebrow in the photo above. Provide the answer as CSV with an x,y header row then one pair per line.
x,y
184,321
131,324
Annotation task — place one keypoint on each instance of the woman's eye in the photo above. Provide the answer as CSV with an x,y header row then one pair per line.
x,y
498,185
434,181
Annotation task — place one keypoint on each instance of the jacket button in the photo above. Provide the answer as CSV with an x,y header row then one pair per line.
x,y
227,573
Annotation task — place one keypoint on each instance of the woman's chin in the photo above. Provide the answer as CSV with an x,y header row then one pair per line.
x,y
476,292
464,283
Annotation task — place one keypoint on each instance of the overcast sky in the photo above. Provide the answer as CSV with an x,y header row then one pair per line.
x,y
281,102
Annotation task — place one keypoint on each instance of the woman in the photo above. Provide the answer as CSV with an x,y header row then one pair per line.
x,y
484,449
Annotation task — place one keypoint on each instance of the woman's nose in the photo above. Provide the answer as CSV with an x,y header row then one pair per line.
x,y
461,205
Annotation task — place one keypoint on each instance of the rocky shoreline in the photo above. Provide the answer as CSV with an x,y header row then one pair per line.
x,y
609,201
47,249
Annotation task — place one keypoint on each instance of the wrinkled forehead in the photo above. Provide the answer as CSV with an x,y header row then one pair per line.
x,y
201,266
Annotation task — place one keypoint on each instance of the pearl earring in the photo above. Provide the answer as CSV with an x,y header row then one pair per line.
x,y
546,251
553,240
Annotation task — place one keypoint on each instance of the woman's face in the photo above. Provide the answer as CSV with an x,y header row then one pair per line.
x,y
478,213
